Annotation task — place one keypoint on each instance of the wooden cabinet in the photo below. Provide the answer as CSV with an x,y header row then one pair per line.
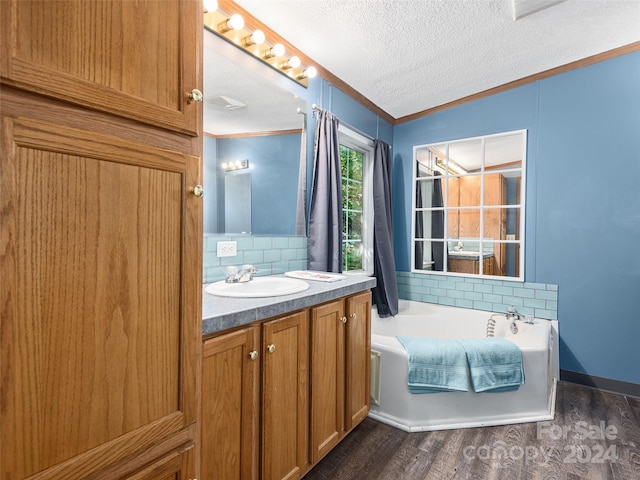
x,y
101,240
230,406
137,60
470,265
314,388
358,359
340,370
285,397
255,400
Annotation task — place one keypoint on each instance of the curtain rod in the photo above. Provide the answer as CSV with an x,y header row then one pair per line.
x,y
315,109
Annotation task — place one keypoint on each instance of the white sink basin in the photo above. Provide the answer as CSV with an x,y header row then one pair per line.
x,y
258,287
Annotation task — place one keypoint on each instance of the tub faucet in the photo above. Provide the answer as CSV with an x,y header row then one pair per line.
x,y
245,274
512,314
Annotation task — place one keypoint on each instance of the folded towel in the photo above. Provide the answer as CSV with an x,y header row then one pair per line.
x,y
435,365
495,364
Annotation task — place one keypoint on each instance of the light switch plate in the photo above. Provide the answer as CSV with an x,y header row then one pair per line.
x,y
227,249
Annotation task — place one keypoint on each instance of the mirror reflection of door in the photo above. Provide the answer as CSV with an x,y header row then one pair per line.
x,y
237,203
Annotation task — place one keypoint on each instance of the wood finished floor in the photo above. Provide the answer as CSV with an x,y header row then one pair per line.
x,y
536,451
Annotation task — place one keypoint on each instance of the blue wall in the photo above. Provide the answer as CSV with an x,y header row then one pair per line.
x,y
583,201
273,164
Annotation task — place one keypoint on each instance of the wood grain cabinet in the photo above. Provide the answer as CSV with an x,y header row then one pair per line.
x,y
314,387
255,401
340,370
101,239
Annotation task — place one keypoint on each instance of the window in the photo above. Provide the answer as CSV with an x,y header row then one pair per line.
x,y
468,206
356,155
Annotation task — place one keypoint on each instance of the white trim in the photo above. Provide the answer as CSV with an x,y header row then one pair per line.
x,y
354,140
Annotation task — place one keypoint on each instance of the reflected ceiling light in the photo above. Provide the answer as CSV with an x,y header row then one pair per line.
x,y
276,51
309,72
237,165
235,22
256,38
293,62
210,5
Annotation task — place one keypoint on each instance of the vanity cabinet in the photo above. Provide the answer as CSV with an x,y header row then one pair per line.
x,y
340,370
231,405
313,388
255,401
101,239
471,264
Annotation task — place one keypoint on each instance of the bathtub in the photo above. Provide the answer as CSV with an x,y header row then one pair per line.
x,y
392,403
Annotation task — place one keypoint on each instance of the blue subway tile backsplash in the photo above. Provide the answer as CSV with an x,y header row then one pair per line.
x,y
270,255
538,299
276,255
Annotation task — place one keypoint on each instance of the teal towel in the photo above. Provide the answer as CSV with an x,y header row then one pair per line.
x,y
435,365
495,364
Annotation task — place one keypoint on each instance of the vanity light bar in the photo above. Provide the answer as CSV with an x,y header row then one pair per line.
x,y
232,28
237,165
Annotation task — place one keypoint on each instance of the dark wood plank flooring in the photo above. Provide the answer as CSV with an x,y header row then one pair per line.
x,y
554,450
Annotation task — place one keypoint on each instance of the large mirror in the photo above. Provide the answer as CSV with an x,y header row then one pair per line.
x,y
251,152
468,203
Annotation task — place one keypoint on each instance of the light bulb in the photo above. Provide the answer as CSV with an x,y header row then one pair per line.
x,y
210,5
256,38
236,22
294,62
276,51
308,72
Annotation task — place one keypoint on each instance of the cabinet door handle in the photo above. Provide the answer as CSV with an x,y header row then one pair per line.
x,y
271,348
253,355
353,316
343,319
198,191
196,95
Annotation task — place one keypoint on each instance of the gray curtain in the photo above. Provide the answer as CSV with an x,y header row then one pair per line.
x,y
385,294
324,240
301,210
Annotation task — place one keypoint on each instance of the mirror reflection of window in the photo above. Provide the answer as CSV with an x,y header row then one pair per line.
x,y
468,206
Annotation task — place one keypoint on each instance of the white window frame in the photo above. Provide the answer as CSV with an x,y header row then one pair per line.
x,y
356,141
446,174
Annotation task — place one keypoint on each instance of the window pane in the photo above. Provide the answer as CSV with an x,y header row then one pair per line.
x,y
504,259
504,151
465,157
429,255
429,224
352,208
352,256
495,189
469,194
469,223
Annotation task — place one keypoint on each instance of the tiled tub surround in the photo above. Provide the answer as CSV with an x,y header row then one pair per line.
x,y
270,255
222,313
538,299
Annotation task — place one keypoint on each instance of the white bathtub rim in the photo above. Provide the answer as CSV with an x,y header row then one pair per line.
x,y
540,417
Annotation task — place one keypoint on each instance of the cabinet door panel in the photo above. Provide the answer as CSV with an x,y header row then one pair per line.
x,y
358,358
285,391
230,406
98,328
173,466
134,59
327,378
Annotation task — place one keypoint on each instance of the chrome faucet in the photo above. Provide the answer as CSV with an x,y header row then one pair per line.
x,y
245,274
512,314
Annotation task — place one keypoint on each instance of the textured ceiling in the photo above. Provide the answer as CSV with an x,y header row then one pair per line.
x,y
407,56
